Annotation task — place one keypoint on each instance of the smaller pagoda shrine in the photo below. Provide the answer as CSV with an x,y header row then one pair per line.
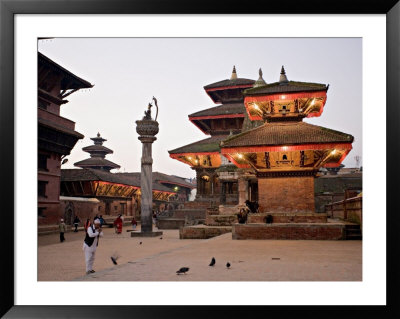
x,y
97,153
286,154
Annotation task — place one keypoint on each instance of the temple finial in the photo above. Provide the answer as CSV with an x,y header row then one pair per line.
x,y
283,77
234,75
260,81
98,134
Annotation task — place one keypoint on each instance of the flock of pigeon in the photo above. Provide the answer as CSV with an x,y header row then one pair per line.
x,y
182,270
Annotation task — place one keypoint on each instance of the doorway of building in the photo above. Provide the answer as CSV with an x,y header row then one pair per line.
x,y
253,190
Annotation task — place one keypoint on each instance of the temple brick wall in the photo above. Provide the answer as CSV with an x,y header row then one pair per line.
x,y
286,194
289,218
291,231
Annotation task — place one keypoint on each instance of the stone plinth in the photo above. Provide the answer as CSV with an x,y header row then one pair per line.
x,y
286,194
170,223
146,234
303,231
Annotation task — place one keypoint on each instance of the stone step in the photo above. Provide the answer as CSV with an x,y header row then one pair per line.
x,y
353,232
353,237
203,231
221,220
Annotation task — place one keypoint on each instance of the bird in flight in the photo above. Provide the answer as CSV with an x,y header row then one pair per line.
x,y
228,265
183,270
212,263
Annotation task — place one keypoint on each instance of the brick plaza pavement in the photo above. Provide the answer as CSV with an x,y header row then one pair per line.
x,y
159,259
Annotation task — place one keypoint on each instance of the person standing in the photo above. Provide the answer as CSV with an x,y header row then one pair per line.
x,y
90,244
134,223
62,228
87,224
76,223
102,221
118,224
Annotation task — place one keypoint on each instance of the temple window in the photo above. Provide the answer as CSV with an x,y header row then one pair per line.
x,y
41,211
284,157
42,188
42,162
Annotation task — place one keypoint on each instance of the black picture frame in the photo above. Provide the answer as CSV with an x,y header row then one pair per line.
x,y
9,8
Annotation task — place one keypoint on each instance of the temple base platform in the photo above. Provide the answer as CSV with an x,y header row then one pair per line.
x,y
170,223
146,234
298,217
203,231
296,231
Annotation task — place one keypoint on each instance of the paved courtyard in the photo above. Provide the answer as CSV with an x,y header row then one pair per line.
x,y
158,259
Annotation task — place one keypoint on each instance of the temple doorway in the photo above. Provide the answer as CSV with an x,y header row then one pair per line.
x,y
253,190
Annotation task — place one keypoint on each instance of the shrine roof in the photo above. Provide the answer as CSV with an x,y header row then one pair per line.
x,y
210,144
71,81
232,82
224,109
287,133
97,161
164,178
135,177
90,174
286,87
97,148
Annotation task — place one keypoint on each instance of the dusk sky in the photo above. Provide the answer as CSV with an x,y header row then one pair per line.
x,y
128,72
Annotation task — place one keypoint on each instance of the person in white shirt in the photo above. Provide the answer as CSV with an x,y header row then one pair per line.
x,y
90,244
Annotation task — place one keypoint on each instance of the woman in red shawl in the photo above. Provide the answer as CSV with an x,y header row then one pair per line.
x,y
118,224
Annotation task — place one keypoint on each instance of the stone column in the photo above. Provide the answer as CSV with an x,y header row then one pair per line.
x,y
147,129
243,189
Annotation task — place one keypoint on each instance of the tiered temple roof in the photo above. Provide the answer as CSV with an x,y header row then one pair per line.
x,y
98,153
218,121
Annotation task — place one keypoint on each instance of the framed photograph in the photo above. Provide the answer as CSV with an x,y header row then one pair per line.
x,y
160,57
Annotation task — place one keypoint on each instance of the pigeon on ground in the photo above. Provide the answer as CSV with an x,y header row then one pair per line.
x,y
160,237
228,265
114,258
183,270
212,262
140,243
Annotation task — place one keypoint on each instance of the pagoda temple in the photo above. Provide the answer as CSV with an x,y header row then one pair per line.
x,y
97,153
286,153
227,118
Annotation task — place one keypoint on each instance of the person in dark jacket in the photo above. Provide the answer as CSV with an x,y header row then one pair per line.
x,y
76,223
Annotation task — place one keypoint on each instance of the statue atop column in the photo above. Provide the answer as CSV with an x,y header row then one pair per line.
x,y
147,114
